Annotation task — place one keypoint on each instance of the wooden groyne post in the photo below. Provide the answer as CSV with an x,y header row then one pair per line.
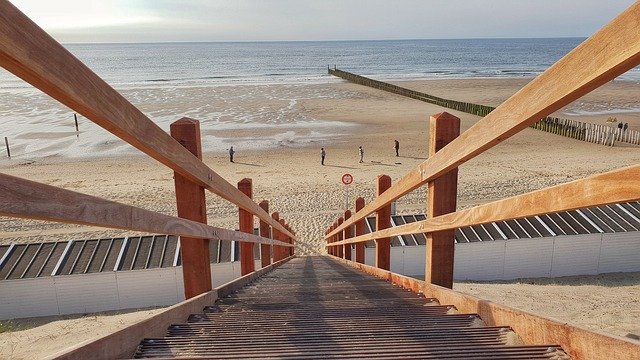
x,y
6,143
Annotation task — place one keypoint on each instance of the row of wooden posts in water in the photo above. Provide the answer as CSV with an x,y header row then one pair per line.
x,y
599,134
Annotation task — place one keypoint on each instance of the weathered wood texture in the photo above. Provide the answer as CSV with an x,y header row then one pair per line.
x,y
265,232
31,200
191,204
383,221
580,343
348,233
123,343
360,230
443,192
612,187
611,51
31,54
247,257
339,238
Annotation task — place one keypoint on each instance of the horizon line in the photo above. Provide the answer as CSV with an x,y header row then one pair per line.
x,y
311,41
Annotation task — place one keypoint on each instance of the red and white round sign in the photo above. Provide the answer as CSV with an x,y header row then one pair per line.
x,y
347,179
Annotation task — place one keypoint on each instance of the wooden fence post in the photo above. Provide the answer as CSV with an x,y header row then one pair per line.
x,y
284,238
265,249
277,249
348,233
247,257
360,228
339,238
443,128
190,199
383,221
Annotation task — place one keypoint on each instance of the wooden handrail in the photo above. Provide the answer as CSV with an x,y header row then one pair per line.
x,y
616,186
32,200
610,52
31,54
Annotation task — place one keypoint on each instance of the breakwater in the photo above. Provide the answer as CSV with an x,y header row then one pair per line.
x,y
600,134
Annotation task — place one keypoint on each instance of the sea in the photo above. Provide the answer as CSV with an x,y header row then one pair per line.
x,y
152,73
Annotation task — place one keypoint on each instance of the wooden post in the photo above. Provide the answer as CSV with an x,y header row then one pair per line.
x,y
339,238
360,228
348,233
443,128
247,258
265,249
190,199
285,238
383,221
277,249
75,117
6,142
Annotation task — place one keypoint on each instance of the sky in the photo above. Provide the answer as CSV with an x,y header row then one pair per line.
x,y
87,21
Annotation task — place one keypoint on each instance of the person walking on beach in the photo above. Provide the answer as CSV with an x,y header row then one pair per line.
x,y
625,127
361,151
231,152
322,155
396,146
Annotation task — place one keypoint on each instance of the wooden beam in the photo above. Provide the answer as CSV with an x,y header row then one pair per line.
x,y
30,53
191,204
383,221
612,187
247,257
443,191
348,233
339,238
578,342
277,250
360,230
265,232
31,200
608,53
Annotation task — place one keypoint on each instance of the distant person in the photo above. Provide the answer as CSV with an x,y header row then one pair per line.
x,y
361,151
322,155
625,127
396,146
231,152
620,125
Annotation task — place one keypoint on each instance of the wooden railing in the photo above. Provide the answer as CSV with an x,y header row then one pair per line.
x,y
31,54
608,53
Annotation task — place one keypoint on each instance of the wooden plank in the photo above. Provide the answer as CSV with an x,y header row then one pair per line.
x,y
191,203
31,200
31,54
612,187
610,52
383,221
348,233
339,238
123,342
578,342
443,192
265,232
247,257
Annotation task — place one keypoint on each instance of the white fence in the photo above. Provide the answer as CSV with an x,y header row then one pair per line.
x,y
528,258
88,293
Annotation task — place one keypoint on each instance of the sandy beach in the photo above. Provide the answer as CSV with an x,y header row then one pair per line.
x,y
284,163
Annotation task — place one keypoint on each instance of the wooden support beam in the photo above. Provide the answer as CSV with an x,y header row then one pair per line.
x,y
32,200
191,202
360,229
443,191
608,53
265,231
30,53
383,221
348,233
247,257
277,250
340,237
612,187
285,239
